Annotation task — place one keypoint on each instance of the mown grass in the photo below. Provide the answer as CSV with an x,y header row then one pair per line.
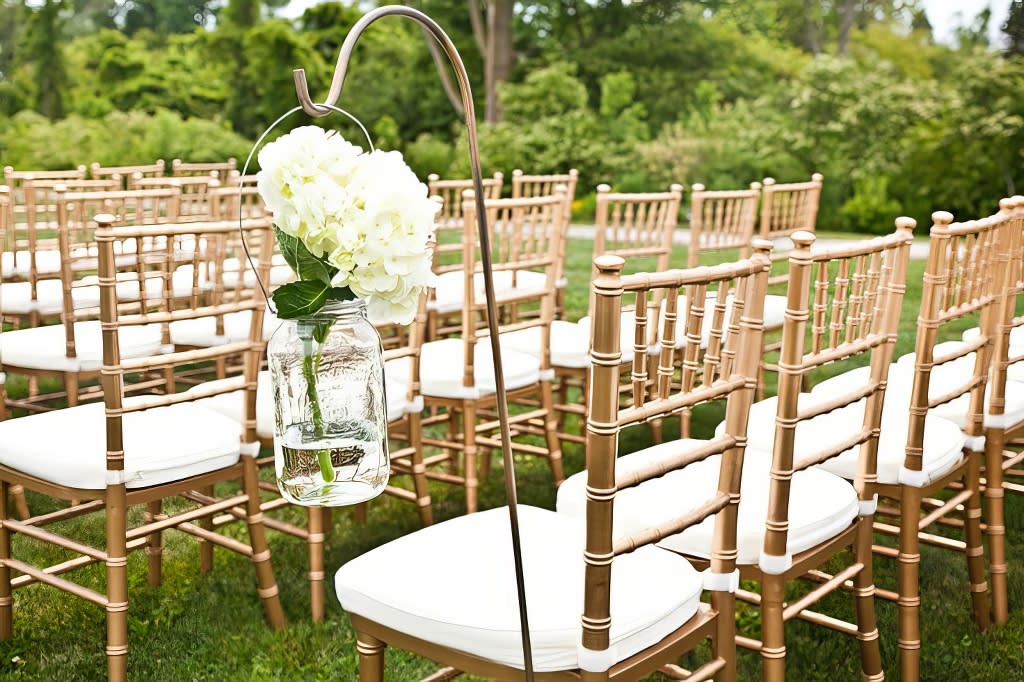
x,y
211,627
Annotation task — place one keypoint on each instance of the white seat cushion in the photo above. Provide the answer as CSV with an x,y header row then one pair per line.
x,y
774,311
43,347
821,505
17,264
68,446
454,585
448,289
1016,337
16,297
531,279
627,333
232,404
570,344
944,379
943,440
201,332
441,367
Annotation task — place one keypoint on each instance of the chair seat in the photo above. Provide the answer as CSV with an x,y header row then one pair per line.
x,y
17,264
531,279
822,505
461,592
43,348
280,273
570,344
943,440
944,379
448,290
627,332
1016,338
441,368
16,297
201,332
232,404
164,444
774,315
774,311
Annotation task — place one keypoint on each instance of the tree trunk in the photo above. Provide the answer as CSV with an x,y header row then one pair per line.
x,y
845,24
500,56
811,43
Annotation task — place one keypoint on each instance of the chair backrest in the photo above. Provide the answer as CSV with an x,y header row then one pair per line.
x,y
733,381
788,207
721,220
40,197
177,247
525,235
194,191
1011,216
221,170
524,185
450,191
232,200
842,303
125,173
964,278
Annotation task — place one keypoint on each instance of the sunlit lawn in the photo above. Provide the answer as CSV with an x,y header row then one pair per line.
x,y
211,627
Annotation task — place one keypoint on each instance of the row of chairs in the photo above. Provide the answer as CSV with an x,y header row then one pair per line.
x,y
784,487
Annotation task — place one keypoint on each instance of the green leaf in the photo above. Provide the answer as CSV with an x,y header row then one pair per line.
x,y
305,264
305,298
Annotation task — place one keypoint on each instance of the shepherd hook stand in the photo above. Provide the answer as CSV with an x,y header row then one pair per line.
x,y
317,110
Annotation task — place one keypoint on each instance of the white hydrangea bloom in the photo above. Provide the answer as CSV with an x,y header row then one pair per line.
x,y
367,213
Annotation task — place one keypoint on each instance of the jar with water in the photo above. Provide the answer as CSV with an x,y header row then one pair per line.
x,y
330,423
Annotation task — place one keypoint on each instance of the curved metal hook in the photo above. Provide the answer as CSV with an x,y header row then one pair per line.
x,y
316,110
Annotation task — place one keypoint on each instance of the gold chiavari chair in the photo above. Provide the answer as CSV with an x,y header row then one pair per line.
x,y
787,208
524,185
525,235
721,220
126,173
933,425
72,350
639,226
793,517
221,170
141,450
641,606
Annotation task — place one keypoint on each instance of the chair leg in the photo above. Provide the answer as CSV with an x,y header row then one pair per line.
x,y
205,547
71,388
453,436
371,657
315,543
154,545
117,584
995,523
975,546
20,501
908,585
6,599
551,433
723,645
266,585
419,471
864,589
469,455
773,635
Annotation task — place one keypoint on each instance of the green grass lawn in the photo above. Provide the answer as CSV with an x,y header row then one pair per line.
x,y
211,627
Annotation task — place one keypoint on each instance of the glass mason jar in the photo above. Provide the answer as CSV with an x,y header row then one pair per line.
x,y
330,418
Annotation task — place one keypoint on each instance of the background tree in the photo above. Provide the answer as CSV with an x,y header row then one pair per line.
x,y
42,47
1014,28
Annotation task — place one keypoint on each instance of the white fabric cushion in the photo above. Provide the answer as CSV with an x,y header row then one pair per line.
x,y
454,585
774,311
17,265
943,440
68,446
1016,338
232,404
441,367
627,333
16,297
201,331
944,379
43,347
531,279
570,344
448,290
821,504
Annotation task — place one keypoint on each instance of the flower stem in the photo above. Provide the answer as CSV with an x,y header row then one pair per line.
x,y
323,455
